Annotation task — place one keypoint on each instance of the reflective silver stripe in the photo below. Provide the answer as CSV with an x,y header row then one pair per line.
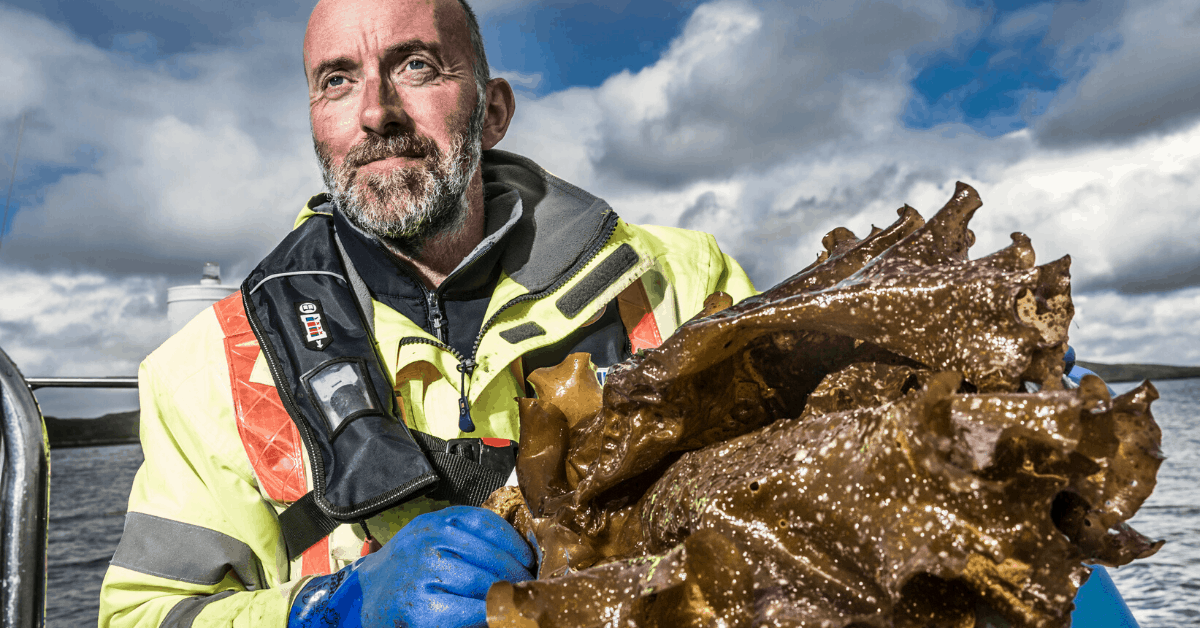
x,y
298,272
361,292
185,611
185,552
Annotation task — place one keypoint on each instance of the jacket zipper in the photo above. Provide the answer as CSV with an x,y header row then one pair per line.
x,y
587,259
435,315
466,365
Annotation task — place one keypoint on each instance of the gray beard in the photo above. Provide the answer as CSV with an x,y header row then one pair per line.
x,y
413,205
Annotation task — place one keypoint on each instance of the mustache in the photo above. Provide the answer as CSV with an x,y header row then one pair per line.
x,y
376,147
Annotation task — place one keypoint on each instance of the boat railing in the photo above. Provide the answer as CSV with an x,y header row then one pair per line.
x,y
81,382
25,508
24,512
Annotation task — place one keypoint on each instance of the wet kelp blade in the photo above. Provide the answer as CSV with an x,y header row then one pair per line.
x,y
854,447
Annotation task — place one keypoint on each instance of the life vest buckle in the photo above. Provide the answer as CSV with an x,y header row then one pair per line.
x,y
497,454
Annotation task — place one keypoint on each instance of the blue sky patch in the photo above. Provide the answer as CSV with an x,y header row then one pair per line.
x,y
176,25
996,84
583,44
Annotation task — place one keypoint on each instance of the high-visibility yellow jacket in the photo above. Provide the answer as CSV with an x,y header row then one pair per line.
x,y
202,543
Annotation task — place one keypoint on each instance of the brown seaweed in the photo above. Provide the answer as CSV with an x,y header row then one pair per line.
x,y
857,446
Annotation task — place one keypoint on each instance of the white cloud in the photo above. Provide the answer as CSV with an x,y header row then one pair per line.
x,y
519,80
1025,22
745,86
85,324
1129,215
1158,328
199,156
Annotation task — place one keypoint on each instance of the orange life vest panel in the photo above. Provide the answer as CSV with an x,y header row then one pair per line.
x,y
268,434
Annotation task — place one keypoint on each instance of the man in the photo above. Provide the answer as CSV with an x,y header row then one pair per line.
x,y
366,373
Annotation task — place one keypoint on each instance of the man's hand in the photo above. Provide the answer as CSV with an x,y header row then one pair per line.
x,y
1075,373
435,572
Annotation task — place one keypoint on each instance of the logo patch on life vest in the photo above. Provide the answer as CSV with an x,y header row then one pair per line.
x,y
312,321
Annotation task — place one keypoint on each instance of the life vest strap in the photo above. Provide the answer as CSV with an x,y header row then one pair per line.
x,y
303,524
469,469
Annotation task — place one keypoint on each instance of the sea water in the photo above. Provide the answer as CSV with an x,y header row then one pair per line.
x,y
1164,590
90,490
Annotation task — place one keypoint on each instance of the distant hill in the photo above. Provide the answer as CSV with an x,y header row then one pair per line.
x,y
1138,372
118,428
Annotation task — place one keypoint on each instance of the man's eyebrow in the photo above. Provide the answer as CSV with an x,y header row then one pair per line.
x,y
399,49
339,63
404,48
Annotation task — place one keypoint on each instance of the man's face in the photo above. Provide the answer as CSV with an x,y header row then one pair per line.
x,y
396,117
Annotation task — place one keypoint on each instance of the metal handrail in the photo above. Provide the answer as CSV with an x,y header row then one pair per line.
x,y
24,510
81,382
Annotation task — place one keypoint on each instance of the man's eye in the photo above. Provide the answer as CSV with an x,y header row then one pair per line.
x,y
335,81
416,65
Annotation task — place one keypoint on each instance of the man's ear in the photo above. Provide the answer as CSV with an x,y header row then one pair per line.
x,y
500,107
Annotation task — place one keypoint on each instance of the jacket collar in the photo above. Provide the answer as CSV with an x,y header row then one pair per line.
x,y
539,226
559,227
388,276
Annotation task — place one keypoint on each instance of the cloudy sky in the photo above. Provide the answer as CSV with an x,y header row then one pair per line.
x,y
160,135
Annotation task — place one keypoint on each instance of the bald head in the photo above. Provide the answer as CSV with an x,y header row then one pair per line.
x,y
331,16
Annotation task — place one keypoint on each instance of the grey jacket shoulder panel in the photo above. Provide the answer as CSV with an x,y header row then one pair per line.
x,y
559,226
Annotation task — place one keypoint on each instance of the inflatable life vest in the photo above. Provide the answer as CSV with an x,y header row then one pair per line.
x,y
333,401
299,308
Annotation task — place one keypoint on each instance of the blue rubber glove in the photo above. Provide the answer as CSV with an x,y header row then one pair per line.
x,y
1074,372
434,573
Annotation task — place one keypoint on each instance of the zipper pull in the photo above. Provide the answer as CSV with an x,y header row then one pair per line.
x,y
435,318
465,424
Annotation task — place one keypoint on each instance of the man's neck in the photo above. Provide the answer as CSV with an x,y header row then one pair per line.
x,y
443,253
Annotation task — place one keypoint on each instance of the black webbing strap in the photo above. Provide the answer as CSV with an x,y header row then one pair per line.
x,y
465,476
303,524
468,471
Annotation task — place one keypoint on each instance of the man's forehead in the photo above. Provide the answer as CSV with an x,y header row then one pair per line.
x,y
342,28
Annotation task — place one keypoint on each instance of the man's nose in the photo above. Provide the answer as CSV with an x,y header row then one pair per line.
x,y
382,108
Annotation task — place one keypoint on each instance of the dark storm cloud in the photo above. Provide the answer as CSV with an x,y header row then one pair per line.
x,y
1162,271
757,83
1082,32
1147,83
